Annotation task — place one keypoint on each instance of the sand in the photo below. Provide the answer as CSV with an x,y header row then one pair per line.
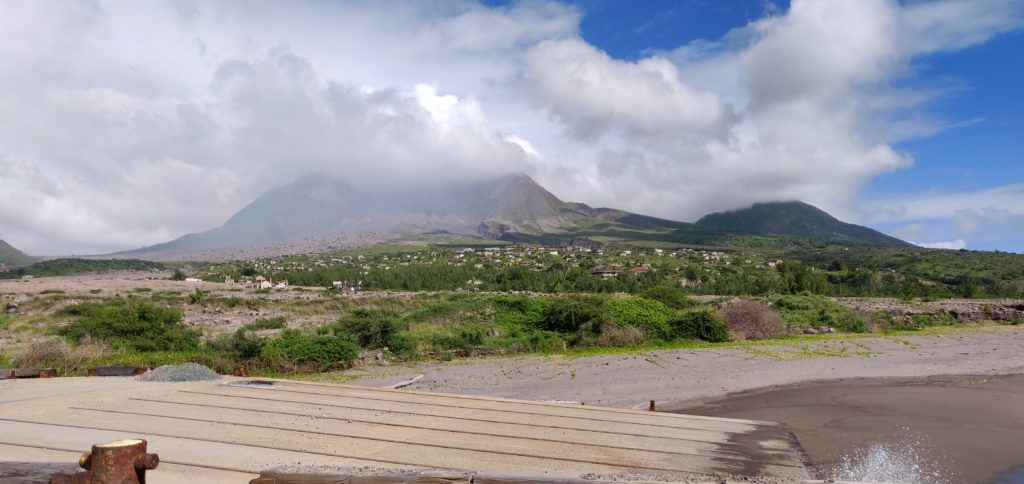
x,y
955,429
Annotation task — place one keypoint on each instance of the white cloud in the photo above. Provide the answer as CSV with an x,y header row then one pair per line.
x,y
954,245
987,215
910,231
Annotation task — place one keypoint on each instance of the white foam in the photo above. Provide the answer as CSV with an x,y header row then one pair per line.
x,y
909,460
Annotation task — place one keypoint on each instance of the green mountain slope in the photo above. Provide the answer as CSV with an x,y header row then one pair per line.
x,y
796,219
11,257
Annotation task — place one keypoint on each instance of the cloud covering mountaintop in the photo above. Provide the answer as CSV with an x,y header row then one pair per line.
x,y
124,124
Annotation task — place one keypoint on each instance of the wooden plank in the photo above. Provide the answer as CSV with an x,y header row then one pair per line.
x,y
257,408
535,446
525,408
429,477
495,415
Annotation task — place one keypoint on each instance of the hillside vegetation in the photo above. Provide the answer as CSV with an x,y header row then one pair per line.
x,y
11,257
64,267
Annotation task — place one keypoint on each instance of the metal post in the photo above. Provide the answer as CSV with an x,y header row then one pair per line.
x,y
120,462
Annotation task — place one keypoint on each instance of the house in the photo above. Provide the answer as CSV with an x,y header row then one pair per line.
x,y
346,286
605,272
636,271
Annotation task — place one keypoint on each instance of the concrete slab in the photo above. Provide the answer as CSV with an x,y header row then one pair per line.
x,y
233,432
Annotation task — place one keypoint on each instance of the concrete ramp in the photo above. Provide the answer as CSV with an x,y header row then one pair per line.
x,y
231,430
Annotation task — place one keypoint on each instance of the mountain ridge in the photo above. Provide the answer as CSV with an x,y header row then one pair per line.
x,y
511,207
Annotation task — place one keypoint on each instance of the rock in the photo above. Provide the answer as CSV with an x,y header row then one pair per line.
x,y
810,330
493,332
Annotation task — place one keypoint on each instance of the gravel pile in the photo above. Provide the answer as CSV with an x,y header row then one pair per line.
x,y
182,372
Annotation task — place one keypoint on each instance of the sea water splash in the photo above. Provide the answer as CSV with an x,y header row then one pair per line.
x,y
911,459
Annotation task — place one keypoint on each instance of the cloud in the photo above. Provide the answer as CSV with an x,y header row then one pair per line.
x,y
911,231
982,217
592,94
954,245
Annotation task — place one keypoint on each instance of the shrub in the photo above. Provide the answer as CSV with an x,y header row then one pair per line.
x,y
242,344
196,297
463,340
403,346
646,314
568,315
294,350
753,319
670,296
178,275
819,311
267,323
702,324
371,328
616,335
133,325
66,359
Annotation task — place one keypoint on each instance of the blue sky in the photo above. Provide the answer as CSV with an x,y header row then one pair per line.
x,y
126,123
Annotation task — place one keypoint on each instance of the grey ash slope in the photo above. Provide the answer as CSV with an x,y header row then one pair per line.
x,y
315,206
9,256
511,207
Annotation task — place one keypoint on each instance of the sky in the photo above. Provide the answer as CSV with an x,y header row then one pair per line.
x,y
125,124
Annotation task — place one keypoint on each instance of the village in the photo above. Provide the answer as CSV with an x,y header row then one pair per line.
x,y
686,267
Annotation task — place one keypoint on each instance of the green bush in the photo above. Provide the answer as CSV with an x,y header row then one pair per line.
x,y
178,275
371,328
646,314
569,315
807,309
701,324
403,346
294,350
267,323
242,344
131,324
670,296
462,340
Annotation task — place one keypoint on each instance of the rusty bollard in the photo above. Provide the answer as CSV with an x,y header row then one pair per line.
x,y
651,408
121,462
